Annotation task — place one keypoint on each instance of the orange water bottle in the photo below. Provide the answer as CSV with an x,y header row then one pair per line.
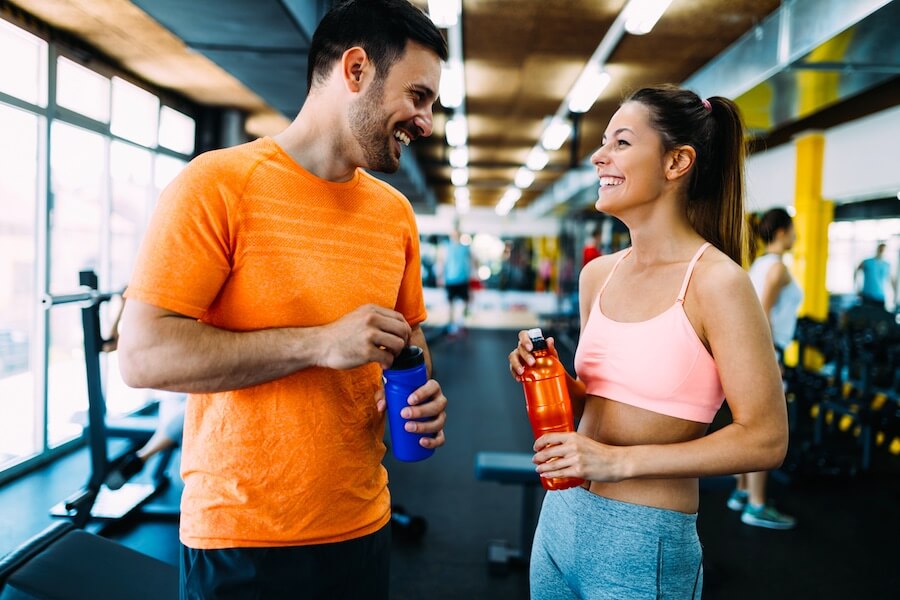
x,y
547,400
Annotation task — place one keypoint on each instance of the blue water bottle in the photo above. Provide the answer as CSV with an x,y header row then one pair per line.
x,y
406,375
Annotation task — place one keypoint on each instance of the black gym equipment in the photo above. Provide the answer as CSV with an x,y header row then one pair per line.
x,y
854,400
95,501
65,563
518,469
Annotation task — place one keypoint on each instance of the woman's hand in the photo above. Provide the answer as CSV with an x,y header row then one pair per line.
x,y
575,455
522,357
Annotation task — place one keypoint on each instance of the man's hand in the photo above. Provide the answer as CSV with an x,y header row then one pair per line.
x,y
370,333
427,402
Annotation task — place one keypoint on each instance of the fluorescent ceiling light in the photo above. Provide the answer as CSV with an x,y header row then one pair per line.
x,y
641,15
457,131
462,198
459,177
537,159
459,156
508,200
590,84
556,133
444,13
524,178
511,195
453,85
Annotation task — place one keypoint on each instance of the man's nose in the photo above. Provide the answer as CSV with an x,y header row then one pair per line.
x,y
425,123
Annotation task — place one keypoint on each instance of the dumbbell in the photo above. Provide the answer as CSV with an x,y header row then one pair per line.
x,y
406,526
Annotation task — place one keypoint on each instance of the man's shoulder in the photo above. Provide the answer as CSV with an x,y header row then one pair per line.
x,y
382,185
232,162
386,192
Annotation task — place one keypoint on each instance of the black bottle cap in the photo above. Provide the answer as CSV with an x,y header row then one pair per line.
x,y
409,358
537,339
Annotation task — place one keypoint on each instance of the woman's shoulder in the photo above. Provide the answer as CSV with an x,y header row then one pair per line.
x,y
717,274
600,267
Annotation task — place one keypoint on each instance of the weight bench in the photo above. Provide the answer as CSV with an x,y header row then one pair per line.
x,y
65,563
511,468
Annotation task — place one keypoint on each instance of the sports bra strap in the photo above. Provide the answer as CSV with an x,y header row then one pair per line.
x,y
690,270
613,270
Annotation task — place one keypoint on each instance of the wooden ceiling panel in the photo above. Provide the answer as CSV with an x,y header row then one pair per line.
x,y
521,59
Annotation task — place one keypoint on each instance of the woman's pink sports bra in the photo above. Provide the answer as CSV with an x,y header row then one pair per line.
x,y
659,364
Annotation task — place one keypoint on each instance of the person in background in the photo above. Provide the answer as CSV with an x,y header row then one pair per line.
x,y
876,276
591,247
669,328
276,281
780,297
457,271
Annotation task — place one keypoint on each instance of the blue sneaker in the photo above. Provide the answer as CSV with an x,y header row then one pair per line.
x,y
737,500
766,516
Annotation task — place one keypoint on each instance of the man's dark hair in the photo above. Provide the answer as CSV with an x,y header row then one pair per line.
x,y
380,27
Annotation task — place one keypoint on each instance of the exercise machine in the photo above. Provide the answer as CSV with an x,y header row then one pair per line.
x,y
95,501
66,563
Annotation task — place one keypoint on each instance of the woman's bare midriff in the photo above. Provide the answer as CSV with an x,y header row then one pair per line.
x,y
620,424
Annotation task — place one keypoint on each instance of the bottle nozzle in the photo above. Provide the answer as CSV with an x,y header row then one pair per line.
x,y
535,334
537,338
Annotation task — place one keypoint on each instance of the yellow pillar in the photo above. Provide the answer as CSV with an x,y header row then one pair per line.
x,y
814,215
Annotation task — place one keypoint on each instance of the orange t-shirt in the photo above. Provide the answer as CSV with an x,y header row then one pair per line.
x,y
246,239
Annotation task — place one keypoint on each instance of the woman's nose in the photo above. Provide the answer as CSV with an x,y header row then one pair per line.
x,y
598,157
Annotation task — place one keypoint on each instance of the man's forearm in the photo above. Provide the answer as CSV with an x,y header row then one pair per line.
x,y
184,355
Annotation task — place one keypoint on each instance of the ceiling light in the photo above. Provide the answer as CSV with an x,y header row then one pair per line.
x,y
524,178
457,131
459,156
462,198
556,133
453,85
444,13
641,15
459,177
590,84
508,200
537,159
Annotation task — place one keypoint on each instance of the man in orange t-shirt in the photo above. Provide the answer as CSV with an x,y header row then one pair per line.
x,y
276,280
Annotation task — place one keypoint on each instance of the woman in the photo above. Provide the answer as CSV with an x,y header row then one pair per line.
x,y
780,297
670,327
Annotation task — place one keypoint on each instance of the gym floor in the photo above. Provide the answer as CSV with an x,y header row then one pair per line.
x,y
846,545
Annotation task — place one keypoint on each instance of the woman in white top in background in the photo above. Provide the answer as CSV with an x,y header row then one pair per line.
x,y
780,297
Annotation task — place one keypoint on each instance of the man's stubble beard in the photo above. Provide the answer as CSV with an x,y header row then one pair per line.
x,y
368,123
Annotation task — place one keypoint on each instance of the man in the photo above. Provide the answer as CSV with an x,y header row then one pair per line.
x,y
457,263
875,276
276,281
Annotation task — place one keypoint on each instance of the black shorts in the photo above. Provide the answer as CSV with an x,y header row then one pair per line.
x,y
458,290
352,569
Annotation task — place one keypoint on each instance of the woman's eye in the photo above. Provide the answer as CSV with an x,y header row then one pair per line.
x,y
623,143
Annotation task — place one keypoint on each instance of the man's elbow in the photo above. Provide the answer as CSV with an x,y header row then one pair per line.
x,y
133,365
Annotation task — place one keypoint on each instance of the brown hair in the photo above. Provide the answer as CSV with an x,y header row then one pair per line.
x,y
381,27
714,129
767,225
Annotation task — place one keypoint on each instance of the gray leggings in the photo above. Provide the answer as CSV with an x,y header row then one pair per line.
x,y
591,547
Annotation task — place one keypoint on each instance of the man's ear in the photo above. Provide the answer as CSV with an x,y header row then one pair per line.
x,y
679,162
354,66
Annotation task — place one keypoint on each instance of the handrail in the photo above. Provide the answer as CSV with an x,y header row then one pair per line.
x,y
88,296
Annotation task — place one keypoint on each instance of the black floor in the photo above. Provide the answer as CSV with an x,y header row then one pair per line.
x,y
846,546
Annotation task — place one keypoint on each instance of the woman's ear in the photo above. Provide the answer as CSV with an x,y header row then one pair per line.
x,y
679,162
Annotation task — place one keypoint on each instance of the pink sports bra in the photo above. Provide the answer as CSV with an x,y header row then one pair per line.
x,y
659,364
